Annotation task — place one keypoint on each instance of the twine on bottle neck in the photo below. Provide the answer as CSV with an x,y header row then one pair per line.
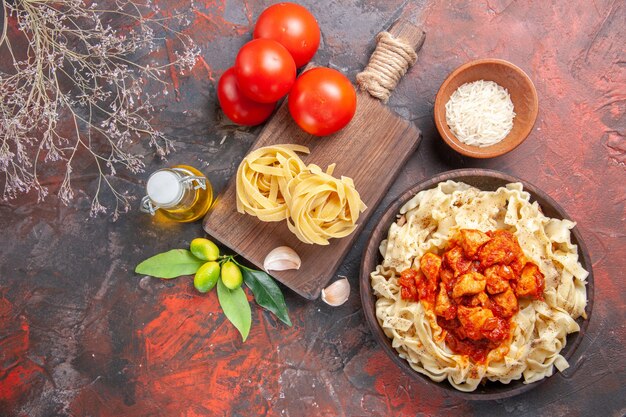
x,y
390,61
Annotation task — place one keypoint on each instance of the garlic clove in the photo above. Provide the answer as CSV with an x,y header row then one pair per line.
x,y
336,293
281,258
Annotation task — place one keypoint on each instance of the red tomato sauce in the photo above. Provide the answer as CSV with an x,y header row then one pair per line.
x,y
473,289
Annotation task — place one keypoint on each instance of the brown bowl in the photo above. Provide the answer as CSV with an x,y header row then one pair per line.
x,y
507,75
482,179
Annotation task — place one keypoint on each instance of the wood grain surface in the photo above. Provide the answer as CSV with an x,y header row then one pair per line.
x,y
486,180
371,150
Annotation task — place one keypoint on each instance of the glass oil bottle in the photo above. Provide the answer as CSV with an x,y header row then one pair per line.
x,y
180,193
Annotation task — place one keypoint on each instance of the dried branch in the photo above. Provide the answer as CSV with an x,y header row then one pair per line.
x,y
76,68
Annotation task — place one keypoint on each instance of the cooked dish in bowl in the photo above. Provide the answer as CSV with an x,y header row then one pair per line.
x,y
479,285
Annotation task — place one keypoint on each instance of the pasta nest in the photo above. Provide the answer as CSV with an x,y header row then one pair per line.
x,y
262,179
322,206
274,184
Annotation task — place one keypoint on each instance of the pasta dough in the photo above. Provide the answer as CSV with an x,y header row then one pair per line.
x,y
322,207
262,178
539,329
274,184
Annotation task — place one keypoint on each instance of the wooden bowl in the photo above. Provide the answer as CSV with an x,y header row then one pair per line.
x,y
485,180
507,75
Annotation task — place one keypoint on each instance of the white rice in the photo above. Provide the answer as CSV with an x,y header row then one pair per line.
x,y
480,113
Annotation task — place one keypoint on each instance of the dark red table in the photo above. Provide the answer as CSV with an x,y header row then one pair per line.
x,y
81,335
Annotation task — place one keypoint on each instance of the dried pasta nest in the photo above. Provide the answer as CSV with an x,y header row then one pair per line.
x,y
274,184
262,179
322,206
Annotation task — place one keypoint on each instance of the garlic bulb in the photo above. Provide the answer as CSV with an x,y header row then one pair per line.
x,y
281,259
336,293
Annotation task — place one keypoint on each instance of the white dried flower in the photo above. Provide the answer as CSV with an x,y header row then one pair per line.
x,y
76,68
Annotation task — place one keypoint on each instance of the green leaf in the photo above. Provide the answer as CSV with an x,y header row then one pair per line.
x,y
236,308
266,293
170,264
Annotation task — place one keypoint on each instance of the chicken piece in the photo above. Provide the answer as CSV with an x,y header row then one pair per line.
x,y
471,240
430,264
504,272
503,248
469,284
505,303
517,265
498,277
446,275
495,285
530,282
443,306
456,261
496,329
481,299
408,284
473,319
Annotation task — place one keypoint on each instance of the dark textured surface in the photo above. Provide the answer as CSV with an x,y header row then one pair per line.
x,y
80,334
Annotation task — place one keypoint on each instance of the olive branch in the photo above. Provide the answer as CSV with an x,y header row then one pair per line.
x,y
63,64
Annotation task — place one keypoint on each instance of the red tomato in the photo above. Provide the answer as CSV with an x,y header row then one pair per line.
x,y
239,108
293,26
265,70
322,101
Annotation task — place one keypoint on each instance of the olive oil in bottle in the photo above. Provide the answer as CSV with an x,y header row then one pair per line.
x,y
181,193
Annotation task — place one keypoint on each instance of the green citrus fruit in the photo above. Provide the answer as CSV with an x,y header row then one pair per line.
x,y
231,275
206,276
204,249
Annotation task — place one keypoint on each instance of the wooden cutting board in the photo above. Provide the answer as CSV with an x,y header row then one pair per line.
x,y
371,150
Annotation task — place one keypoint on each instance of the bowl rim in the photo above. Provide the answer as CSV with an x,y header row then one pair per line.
x,y
371,257
439,113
